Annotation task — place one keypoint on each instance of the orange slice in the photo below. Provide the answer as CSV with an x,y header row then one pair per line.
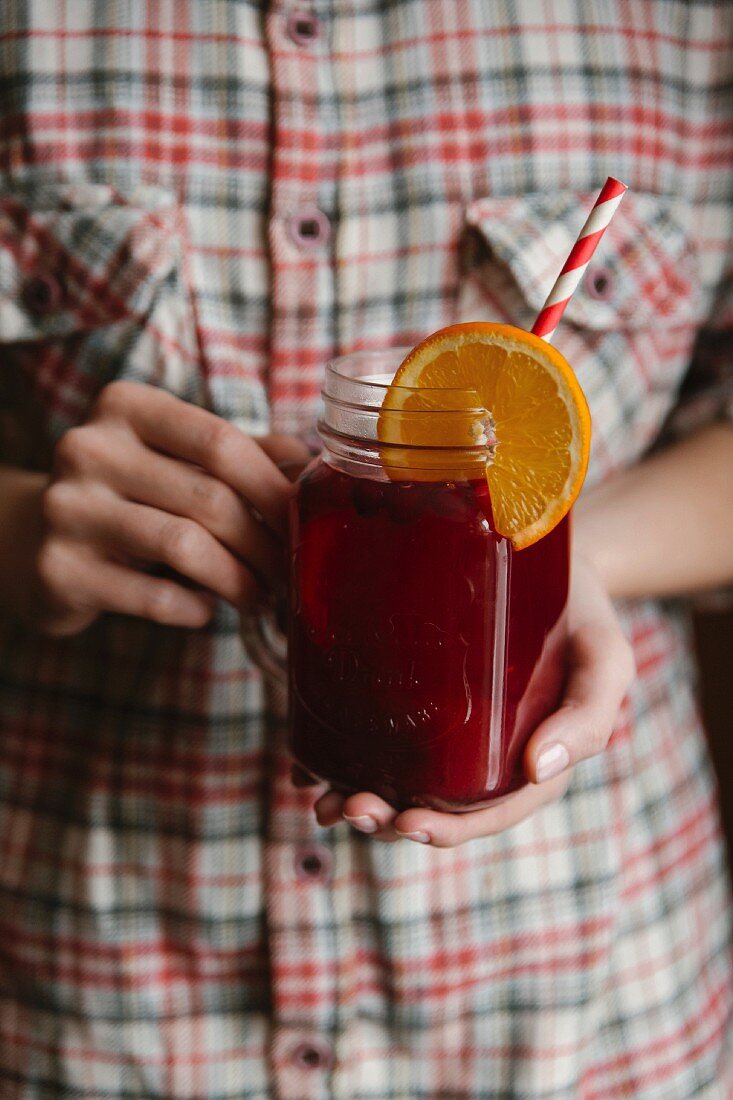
x,y
539,413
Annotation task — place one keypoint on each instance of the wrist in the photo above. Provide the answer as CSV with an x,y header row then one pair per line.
x,y
601,533
590,544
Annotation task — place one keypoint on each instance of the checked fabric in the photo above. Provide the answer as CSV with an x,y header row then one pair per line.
x,y
215,196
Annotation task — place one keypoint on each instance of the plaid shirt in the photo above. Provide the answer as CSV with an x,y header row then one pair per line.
x,y
215,197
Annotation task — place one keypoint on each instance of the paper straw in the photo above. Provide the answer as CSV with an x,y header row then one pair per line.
x,y
574,267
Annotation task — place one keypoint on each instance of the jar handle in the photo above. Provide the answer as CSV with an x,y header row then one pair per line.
x,y
266,643
262,634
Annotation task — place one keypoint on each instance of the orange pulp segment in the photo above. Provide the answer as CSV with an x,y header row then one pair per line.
x,y
539,414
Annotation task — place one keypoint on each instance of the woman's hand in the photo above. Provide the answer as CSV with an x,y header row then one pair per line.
x,y
151,481
601,668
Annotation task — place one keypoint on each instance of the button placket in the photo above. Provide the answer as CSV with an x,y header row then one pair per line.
x,y
300,911
304,190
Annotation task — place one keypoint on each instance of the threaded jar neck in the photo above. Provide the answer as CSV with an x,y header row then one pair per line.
x,y
367,437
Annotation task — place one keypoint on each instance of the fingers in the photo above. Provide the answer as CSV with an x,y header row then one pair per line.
x,y
197,436
117,588
139,483
99,585
367,813
329,808
175,487
601,670
448,830
136,532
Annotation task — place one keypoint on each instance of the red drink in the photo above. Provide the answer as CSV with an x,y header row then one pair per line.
x,y
423,649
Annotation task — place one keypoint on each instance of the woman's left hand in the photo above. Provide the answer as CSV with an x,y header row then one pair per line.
x,y
601,668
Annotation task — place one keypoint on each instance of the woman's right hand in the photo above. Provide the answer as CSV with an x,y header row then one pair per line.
x,y
149,481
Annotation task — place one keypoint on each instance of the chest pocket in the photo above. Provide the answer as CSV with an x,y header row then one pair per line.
x,y
92,288
629,329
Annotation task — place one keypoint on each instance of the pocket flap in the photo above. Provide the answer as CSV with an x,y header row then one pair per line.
x,y
644,269
74,258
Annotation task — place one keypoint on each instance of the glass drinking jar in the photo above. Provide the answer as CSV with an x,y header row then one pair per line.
x,y
423,650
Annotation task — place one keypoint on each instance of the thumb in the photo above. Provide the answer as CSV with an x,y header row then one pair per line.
x,y
601,669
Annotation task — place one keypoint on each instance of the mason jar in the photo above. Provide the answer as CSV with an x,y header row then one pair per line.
x,y
422,648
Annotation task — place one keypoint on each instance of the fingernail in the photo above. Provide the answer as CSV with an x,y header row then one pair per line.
x,y
421,838
551,762
365,823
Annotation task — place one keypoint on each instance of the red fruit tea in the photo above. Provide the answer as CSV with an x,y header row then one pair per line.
x,y
423,650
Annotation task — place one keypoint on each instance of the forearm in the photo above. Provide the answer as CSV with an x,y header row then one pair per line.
x,y
20,523
664,527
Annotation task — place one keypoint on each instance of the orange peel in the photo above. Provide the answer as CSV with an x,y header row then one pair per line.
x,y
538,411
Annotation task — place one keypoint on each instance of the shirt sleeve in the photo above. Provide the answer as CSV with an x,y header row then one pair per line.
x,y
706,397
706,393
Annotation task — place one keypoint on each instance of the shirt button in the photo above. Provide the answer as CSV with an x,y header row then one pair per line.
x,y
41,294
313,1054
601,283
303,27
313,864
310,228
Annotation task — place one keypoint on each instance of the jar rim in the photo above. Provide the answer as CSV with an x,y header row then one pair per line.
x,y
346,386
360,433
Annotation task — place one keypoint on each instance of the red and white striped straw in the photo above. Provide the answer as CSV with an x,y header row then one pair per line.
x,y
574,267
